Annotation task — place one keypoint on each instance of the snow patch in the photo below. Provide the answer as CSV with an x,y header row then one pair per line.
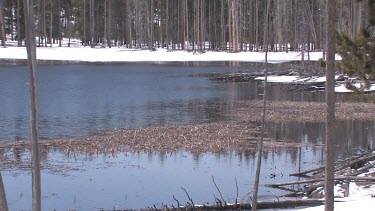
x,y
119,54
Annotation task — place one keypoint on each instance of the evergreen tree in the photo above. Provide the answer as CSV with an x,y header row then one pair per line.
x,y
358,54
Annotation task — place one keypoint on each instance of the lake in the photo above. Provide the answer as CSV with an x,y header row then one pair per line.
x,y
76,100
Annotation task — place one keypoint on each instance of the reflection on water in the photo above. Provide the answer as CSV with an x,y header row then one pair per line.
x,y
79,99
147,179
351,136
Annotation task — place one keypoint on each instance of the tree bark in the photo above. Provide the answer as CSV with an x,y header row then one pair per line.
x,y
330,100
31,54
92,23
109,27
260,142
3,37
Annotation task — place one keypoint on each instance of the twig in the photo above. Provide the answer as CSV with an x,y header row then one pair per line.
x,y
178,203
237,190
274,195
191,200
222,198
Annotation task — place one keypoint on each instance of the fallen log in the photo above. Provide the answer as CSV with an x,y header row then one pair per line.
x,y
247,206
362,170
340,178
340,165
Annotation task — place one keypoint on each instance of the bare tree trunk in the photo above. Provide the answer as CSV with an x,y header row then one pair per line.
x,y
104,42
18,25
50,28
152,24
92,23
260,142
330,100
84,23
3,198
31,54
31,50
58,17
3,37
256,25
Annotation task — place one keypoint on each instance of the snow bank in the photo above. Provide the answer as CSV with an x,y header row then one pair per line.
x,y
339,87
87,54
362,203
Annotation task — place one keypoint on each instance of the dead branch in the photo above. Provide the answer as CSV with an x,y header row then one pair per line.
x,y
340,178
222,198
190,199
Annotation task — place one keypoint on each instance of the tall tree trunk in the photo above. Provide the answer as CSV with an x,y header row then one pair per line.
x,y
260,142
50,26
84,40
151,24
68,24
104,44
109,27
3,37
59,21
3,198
330,100
92,23
12,9
31,54
19,35
257,25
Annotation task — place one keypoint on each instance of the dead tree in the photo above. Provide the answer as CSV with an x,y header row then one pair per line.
x,y
31,55
260,143
330,100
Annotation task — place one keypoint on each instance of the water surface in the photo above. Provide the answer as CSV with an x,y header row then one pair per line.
x,y
80,99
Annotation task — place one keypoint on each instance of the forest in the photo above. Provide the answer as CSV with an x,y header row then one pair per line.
x,y
198,25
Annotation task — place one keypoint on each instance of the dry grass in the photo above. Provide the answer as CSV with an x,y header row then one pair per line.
x,y
240,133
278,112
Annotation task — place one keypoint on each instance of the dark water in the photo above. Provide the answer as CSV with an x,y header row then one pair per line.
x,y
79,99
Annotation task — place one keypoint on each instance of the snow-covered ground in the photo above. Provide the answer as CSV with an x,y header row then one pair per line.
x,y
360,198
339,87
119,54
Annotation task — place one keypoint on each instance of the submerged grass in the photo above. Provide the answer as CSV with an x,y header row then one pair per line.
x,y
239,133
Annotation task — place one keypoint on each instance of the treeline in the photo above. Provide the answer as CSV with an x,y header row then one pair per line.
x,y
222,25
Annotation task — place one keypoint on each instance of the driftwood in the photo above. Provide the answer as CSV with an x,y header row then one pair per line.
x,y
246,206
341,165
340,178
321,168
346,171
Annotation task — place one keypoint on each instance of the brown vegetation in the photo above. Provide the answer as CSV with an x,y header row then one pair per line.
x,y
239,133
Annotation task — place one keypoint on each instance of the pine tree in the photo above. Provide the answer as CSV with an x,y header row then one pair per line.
x,y
358,54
